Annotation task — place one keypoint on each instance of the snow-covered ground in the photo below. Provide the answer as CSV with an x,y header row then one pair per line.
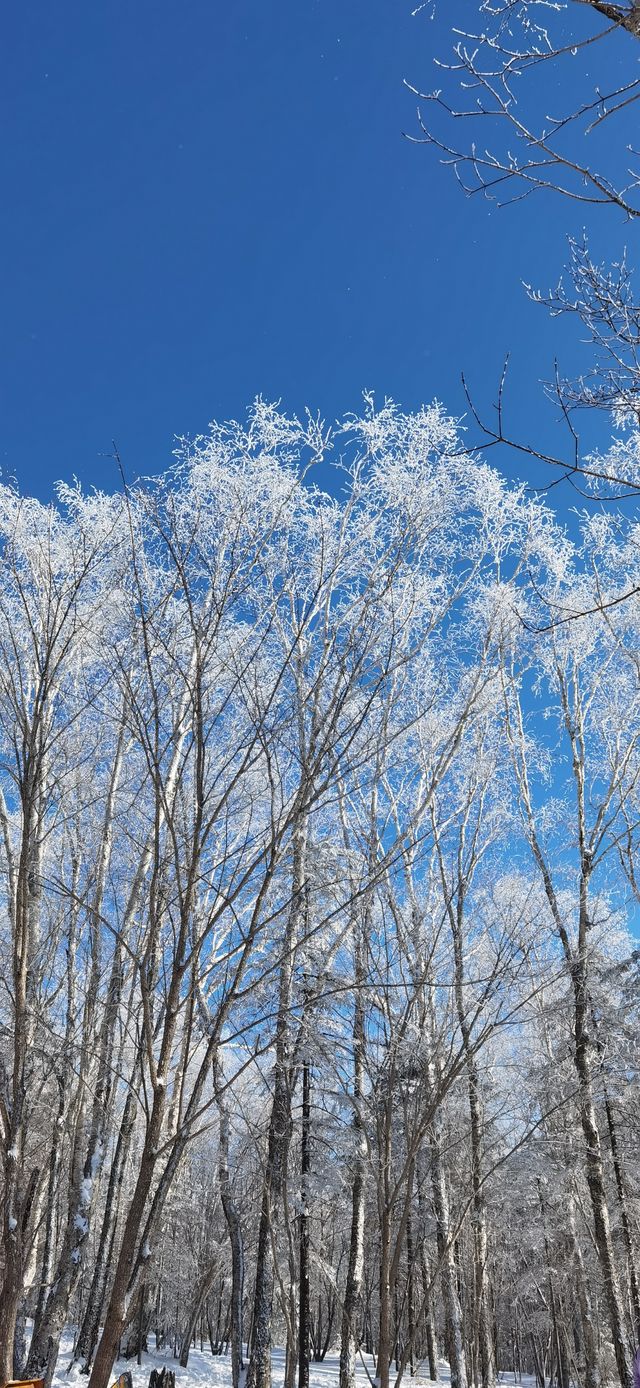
x,y
206,1370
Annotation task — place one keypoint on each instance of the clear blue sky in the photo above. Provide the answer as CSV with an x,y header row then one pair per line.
x,y
203,201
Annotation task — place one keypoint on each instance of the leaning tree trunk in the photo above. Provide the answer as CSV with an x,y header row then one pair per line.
x,y
50,1201
133,1341
116,1310
88,1134
202,1290
89,1329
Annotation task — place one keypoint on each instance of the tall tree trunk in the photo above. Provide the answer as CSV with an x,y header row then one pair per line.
x,y
304,1326
482,1339
589,1337
427,1296
88,1134
291,1350
353,1288
634,1284
578,968
89,1329
259,1371
116,1311
25,880
594,1168
448,1275
234,1228
50,1202
383,1359
411,1327
117,1305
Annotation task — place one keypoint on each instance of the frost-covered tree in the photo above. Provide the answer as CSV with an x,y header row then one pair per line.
x,y
319,828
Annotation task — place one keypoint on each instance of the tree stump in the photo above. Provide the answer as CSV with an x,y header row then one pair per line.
x,y
162,1378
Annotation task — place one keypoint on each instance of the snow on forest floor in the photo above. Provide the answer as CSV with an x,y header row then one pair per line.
x,y
206,1370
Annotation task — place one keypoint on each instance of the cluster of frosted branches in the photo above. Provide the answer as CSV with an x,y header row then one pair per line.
x,y
489,115
319,817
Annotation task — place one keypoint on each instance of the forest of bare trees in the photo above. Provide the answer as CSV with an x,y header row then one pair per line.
x,y
319,825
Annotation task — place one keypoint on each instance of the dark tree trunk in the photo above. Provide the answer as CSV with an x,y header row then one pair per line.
x,y
234,1227
411,1327
634,1285
304,1327
199,1297
259,1371
594,1168
353,1288
89,1330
